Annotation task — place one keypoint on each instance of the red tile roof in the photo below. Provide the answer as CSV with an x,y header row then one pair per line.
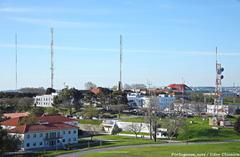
x,y
41,128
11,122
55,119
15,115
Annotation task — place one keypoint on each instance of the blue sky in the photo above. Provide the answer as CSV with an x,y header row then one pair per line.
x,y
164,41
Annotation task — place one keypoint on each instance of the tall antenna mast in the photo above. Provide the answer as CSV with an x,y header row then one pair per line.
x,y
16,62
120,81
218,88
52,55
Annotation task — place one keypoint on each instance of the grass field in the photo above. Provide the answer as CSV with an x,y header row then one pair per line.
x,y
111,141
200,150
90,121
200,130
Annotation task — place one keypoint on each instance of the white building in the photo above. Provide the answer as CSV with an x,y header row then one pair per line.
x,y
44,100
217,109
143,101
49,132
165,100
108,126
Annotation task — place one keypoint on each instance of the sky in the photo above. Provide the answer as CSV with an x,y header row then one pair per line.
x,y
164,42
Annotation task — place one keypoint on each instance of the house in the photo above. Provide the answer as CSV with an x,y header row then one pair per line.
x,y
109,125
140,101
179,89
15,115
49,132
44,100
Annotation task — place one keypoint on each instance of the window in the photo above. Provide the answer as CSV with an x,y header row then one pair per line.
x,y
28,144
69,140
40,143
34,144
63,140
74,139
74,131
63,132
69,132
28,136
41,135
34,135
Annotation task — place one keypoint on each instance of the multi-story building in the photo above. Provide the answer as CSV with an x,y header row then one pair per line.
x,y
49,132
143,101
44,100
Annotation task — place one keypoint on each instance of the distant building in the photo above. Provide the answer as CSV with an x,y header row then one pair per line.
x,y
49,132
15,115
179,89
217,109
99,90
44,100
143,101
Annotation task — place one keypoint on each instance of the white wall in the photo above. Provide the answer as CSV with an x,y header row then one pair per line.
x,y
38,139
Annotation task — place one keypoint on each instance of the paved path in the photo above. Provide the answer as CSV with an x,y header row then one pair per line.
x,y
88,151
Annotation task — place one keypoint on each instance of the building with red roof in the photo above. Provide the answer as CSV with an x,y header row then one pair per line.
x,y
48,132
179,89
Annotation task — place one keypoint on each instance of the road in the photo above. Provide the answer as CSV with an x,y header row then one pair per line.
x,y
83,152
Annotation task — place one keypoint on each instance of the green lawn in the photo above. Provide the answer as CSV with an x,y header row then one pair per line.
x,y
90,121
205,150
200,130
122,140
114,141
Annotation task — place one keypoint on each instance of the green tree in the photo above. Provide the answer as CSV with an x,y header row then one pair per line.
x,y
68,98
37,111
50,91
8,143
51,111
25,104
90,111
237,125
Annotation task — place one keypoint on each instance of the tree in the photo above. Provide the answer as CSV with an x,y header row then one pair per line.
x,y
92,130
173,127
118,102
68,98
25,104
139,86
136,128
37,91
37,111
116,130
50,91
29,120
237,125
237,111
51,111
151,116
8,143
89,85
90,111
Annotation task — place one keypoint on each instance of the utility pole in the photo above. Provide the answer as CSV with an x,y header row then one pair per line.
x,y
16,62
120,75
52,62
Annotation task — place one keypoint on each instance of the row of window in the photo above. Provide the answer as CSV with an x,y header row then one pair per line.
x,y
51,134
34,144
